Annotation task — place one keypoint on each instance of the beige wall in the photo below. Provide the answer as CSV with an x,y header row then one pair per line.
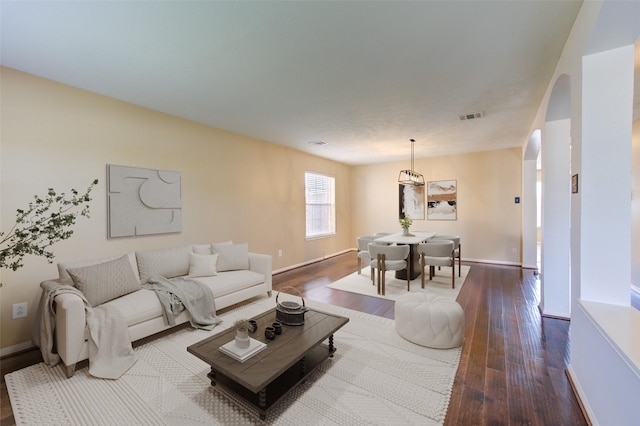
x,y
489,222
233,187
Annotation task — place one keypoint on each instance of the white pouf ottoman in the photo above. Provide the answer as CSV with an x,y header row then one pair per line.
x,y
430,320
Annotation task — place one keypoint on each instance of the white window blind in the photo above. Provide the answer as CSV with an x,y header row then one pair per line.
x,y
320,196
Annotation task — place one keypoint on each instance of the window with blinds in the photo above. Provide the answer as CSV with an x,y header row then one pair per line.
x,y
320,196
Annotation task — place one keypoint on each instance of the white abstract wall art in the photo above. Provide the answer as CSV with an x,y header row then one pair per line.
x,y
143,201
411,201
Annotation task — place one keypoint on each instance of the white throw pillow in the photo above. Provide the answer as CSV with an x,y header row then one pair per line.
x,y
232,257
202,265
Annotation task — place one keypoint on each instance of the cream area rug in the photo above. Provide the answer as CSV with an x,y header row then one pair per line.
x,y
375,378
394,288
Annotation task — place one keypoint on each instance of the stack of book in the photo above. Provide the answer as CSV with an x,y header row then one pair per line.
x,y
242,354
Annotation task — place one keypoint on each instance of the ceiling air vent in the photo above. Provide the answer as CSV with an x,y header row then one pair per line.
x,y
317,143
471,116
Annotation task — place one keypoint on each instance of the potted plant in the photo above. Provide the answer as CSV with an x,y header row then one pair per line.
x,y
243,327
405,222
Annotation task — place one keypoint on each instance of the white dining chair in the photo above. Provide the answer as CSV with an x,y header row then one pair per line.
x,y
363,251
457,247
437,253
388,258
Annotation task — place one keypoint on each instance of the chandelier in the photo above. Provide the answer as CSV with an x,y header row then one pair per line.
x,y
411,177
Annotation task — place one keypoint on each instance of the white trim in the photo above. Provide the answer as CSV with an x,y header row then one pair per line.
x,y
584,402
492,262
309,262
556,315
9,350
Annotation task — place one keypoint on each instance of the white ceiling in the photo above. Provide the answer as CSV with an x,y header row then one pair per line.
x,y
365,77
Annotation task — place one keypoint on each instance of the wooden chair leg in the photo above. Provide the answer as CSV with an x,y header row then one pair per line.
x,y
459,260
423,271
453,275
379,277
453,268
384,273
359,265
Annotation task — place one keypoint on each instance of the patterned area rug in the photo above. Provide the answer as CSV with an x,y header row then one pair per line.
x,y
394,288
375,378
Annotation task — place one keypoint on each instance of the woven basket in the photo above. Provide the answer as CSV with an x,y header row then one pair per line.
x,y
290,313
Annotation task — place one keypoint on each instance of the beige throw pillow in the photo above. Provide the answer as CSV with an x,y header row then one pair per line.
x,y
232,257
105,281
201,265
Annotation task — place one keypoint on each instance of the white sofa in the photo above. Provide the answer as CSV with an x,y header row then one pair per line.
x,y
241,275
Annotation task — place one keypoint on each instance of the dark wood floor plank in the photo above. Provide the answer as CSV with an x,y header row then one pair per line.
x,y
513,360
496,405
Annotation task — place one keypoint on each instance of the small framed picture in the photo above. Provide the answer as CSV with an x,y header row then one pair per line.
x,y
574,184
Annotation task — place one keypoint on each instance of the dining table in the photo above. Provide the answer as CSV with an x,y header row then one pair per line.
x,y
413,239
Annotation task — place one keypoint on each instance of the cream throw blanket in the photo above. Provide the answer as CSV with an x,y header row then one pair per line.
x,y
110,350
180,293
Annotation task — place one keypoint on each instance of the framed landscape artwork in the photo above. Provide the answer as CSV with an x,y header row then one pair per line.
x,y
411,201
442,200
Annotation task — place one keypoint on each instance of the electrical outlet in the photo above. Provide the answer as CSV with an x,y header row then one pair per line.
x,y
19,310
280,253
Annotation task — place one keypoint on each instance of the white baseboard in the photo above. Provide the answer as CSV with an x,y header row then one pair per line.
x,y
309,262
555,315
16,348
492,262
582,400
298,265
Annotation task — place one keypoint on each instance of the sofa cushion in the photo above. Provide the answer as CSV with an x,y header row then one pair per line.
x,y
167,263
63,266
138,307
228,282
232,257
105,281
201,265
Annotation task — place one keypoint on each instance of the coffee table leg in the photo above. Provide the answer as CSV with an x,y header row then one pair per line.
x,y
332,349
212,376
303,366
262,403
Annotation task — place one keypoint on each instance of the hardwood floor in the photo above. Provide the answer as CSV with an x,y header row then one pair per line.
x,y
513,360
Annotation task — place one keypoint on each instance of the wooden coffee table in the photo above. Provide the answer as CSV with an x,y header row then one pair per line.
x,y
287,360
